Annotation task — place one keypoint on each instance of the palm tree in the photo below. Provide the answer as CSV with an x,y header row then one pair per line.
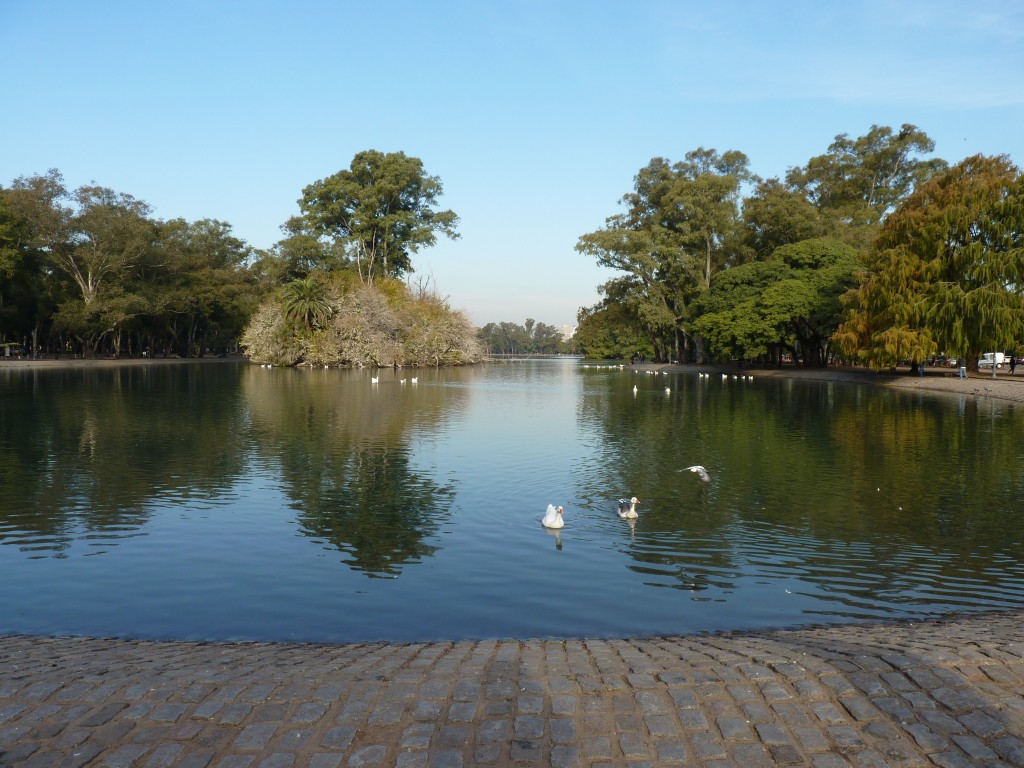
x,y
305,301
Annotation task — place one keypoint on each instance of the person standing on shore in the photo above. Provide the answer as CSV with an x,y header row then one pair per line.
x,y
1013,364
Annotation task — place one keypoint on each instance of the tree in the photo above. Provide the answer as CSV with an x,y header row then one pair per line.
x,y
305,302
681,225
378,212
26,290
790,301
610,331
777,215
860,181
110,233
530,338
203,288
948,271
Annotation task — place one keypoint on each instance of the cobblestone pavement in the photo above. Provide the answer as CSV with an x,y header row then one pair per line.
x,y
946,693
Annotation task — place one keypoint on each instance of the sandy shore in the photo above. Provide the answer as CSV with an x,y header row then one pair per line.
x,y
939,380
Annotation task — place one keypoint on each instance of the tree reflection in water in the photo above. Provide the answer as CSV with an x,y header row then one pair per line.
x,y
345,462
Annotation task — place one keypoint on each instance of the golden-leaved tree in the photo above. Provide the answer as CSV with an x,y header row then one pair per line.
x,y
947,271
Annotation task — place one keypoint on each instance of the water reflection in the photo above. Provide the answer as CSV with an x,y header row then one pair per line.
x,y
849,496
87,451
238,502
344,461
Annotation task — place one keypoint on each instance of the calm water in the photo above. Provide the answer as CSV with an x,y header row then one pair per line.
x,y
235,502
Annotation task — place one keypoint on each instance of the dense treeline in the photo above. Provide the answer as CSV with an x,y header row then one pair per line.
x,y
531,338
873,251
91,272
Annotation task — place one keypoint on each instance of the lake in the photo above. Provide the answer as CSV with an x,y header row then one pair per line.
x,y
226,501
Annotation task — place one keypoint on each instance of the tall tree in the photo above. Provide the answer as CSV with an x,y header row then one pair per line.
x,y
203,287
777,214
948,272
790,301
379,211
859,181
681,225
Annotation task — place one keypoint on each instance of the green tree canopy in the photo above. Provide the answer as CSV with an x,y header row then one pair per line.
x,y
680,226
857,182
610,331
948,271
377,212
790,301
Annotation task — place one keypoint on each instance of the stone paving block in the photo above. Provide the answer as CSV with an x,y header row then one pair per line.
x,y
941,722
124,757
168,713
198,759
846,737
1010,749
926,738
339,737
951,760
255,737
563,705
708,746
465,711
368,757
811,739
693,719
234,714
785,754
277,760
526,751
982,724
683,698
751,755
486,754
563,730
827,712
596,747
870,758
974,748
859,695
772,734
829,761
411,760
734,728
756,712
632,746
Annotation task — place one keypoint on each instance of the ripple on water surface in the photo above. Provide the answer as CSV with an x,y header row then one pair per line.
x,y
232,502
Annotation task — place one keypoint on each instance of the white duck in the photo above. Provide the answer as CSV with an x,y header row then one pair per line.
x,y
553,517
627,509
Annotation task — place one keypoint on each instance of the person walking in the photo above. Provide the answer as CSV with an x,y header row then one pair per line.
x,y
1013,364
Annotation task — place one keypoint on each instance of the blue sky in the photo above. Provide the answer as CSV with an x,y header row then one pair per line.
x,y
535,115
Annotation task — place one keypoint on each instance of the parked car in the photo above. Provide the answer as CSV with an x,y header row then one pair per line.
x,y
989,359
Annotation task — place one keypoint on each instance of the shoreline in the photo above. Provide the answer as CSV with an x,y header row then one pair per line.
x,y
935,380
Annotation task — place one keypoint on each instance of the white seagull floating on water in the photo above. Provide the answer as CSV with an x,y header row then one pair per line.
x,y
553,517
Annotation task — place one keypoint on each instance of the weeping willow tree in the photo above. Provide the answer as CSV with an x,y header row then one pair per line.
x,y
947,273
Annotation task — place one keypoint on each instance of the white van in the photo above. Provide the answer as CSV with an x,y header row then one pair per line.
x,y
989,359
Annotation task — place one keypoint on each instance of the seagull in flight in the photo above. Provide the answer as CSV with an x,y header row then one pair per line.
x,y
699,471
